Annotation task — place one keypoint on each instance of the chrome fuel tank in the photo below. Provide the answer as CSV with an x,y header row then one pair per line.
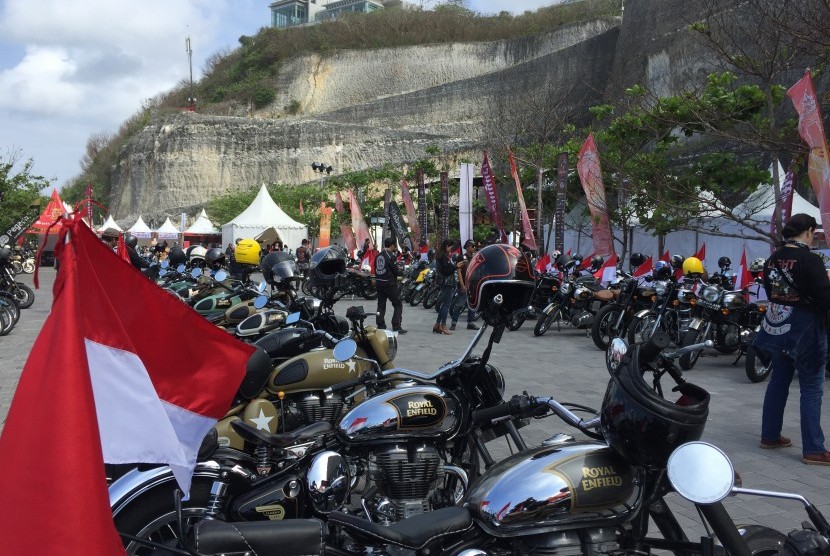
x,y
401,414
555,488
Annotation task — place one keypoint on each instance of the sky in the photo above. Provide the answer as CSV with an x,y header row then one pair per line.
x,y
70,69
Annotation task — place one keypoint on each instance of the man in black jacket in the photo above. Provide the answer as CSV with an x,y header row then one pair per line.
x,y
386,279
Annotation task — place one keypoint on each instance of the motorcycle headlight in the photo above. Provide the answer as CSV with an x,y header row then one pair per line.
x,y
582,293
686,295
566,288
710,294
660,288
391,345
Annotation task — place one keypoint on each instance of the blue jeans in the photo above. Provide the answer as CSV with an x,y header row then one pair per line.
x,y
458,307
803,350
446,298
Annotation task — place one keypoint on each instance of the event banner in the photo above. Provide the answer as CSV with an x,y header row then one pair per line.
x,y
786,203
345,228
445,205
492,196
465,202
359,226
529,240
10,236
590,174
561,191
811,130
325,225
422,208
387,231
398,226
410,210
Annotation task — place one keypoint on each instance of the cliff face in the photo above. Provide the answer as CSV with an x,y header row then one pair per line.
x,y
365,108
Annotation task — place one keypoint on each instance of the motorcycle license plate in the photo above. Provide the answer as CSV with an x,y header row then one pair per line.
x,y
419,287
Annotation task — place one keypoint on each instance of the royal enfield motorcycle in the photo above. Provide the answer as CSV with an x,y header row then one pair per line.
x,y
630,297
671,310
23,294
547,284
576,303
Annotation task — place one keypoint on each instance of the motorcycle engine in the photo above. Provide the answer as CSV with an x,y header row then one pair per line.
x,y
405,477
315,406
571,543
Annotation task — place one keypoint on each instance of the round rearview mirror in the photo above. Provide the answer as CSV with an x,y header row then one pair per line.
x,y
181,268
701,473
260,302
162,273
292,318
221,276
196,272
165,263
615,353
261,287
345,349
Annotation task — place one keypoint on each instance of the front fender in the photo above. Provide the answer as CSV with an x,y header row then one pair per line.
x,y
696,323
136,482
642,313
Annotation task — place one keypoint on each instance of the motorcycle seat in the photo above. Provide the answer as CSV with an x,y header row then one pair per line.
x,y
213,318
292,537
604,295
414,533
281,440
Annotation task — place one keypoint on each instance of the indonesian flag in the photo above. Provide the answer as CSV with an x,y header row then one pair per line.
x,y
701,253
743,278
666,256
111,377
644,269
586,262
608,271
542,263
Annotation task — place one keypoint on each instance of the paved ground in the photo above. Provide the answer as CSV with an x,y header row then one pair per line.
x,y
567,366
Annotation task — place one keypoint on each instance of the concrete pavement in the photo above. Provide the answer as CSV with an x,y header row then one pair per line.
x,y
567,366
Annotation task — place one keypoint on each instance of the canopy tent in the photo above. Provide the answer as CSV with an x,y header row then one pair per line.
x,y
140,229
54,209
111,225
202,227
167,230
269,236
261,214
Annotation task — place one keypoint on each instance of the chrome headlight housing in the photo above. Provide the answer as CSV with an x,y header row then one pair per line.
x,y
710,294
686,295
582,292
391,345
566,288
660,287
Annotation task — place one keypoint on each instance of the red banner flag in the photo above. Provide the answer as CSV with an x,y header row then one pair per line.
x,y
529,240
644,269
359,223
122,249
345,228
325,225
608,271
338,203
666,256
492,196
542,263
811,130
701,253
786,203
411,215
590,174
743,278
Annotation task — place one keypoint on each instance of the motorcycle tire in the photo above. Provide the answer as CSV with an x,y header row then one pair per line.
x,y
690,337
28,266
418,296
406,292
760,540
6,320
431,298
546,320
7,299
601,333
17,268
24,295
369,292
516,322
306,288
639,329
756,369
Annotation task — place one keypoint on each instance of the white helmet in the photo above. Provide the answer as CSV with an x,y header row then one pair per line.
x,y
197,253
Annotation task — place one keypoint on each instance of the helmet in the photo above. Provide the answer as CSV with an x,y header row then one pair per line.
x,y
277,266
724,262
176,256
5,253
196,253
596,262
643,427
692,265
636,259
215,258
677,261
662,270
564,261
757,265
247,252
326,265
498,269
131,241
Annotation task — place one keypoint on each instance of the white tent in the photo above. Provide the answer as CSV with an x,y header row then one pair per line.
x,y
110,224
167,230
140,229
202,227
261,214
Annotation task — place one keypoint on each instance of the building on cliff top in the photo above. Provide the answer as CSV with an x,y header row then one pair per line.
x,y
293,13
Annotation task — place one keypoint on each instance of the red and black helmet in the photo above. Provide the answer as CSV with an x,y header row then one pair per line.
x,y
498,269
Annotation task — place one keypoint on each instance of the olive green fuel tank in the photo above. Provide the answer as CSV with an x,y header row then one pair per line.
x,y
314,370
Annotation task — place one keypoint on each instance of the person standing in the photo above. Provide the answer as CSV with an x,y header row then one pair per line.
x,y
455,310
386,279
794,337
444,270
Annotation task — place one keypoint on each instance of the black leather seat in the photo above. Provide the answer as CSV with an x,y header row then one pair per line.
x,y
293,537
414,533
281,440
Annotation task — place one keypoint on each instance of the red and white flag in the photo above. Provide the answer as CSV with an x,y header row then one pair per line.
x,y
586,262
644,269
542,263
743,277
701,253
608,271
112,367
122,249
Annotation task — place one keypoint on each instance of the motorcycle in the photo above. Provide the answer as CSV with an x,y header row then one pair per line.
x,y
612,320
23,294
424,285
547,283
576,303
362,284
410,279
671,312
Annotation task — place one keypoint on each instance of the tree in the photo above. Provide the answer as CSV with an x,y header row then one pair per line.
x,y
19,187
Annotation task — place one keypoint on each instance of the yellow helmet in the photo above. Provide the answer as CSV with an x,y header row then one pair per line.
x,y
692,265
247,251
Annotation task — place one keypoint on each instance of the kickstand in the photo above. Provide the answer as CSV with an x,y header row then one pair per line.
x,y
740,354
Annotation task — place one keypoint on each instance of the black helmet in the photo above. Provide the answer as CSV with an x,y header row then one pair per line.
x,y
176,256
327,265
677,261
643,427
596,262
564,261
636,260
724,263
498,269
662,270
5,253
215,258
277,266
131,241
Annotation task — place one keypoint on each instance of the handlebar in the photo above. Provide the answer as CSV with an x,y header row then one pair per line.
x,y
524,405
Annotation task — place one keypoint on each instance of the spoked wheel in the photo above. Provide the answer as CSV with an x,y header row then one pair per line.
x,y
431,298
640,328
546,320
24,295
601,330
370,291
306,289
418,296
28,266
758,365
8,300
692,336
6,320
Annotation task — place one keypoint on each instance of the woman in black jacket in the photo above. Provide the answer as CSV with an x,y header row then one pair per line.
x,y
444,271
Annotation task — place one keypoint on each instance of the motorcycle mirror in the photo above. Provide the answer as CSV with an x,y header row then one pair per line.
x,y
196,272
221,275
181,268
165,263
162,272
260,302
292,318
615,353
701,473
345,349
261,287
